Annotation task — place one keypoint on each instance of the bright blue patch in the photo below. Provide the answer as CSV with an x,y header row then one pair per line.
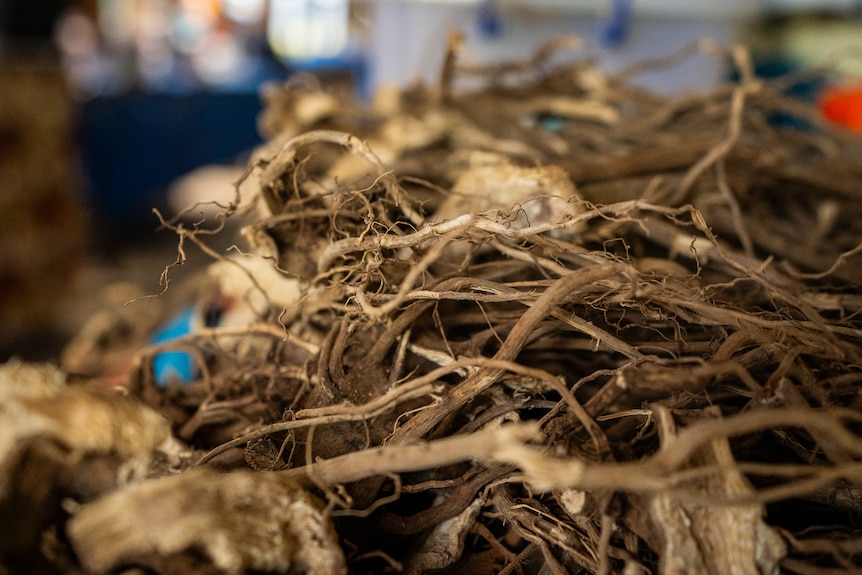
x,y
171,366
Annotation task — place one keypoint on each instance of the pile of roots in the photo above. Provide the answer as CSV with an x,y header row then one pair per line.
x,y
533,319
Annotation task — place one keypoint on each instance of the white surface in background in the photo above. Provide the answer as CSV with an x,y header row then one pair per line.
x,y
674,8
409,38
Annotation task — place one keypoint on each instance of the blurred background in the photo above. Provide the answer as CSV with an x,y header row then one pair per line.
x,y
106,104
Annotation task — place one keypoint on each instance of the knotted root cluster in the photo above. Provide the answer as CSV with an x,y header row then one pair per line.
x,y
552,323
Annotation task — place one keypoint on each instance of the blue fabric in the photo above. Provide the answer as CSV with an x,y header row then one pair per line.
x,y
172,366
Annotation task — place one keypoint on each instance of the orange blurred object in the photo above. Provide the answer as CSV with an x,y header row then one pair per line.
x,y
843,105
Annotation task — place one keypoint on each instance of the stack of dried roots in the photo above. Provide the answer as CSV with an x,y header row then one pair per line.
x,y
552,323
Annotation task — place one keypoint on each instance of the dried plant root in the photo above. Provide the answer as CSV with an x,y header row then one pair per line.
x,y
536,319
